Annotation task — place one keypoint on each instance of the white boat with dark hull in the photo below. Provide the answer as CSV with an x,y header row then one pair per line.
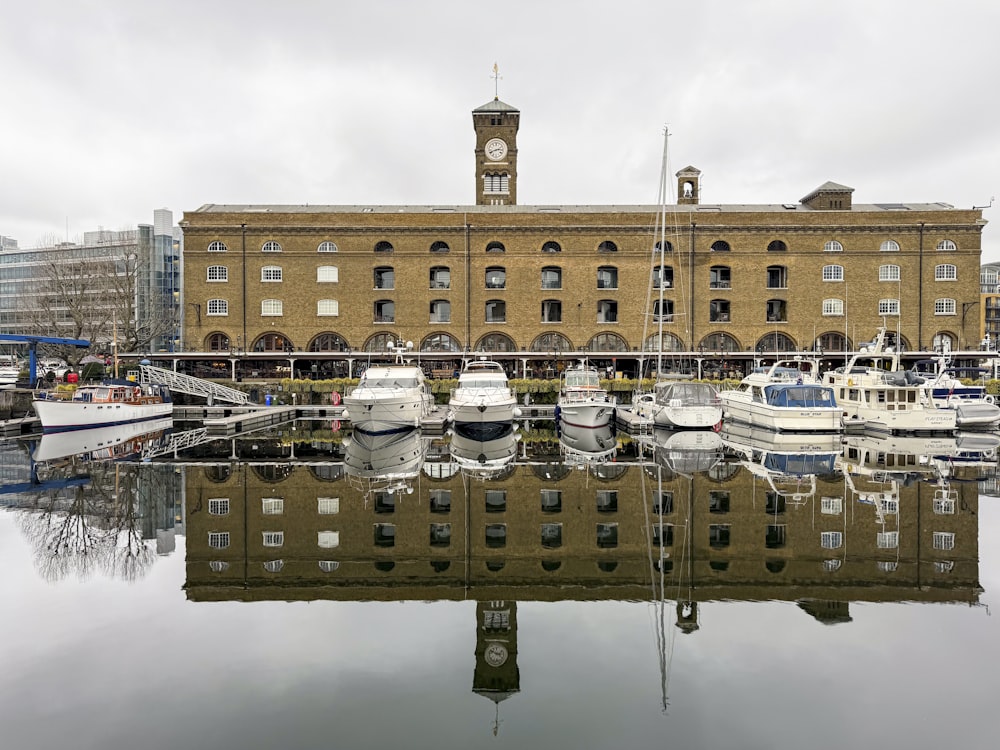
x,y
582,401
388,398
386,462
786,396
113,402
587,445
874,388
484,451
483,396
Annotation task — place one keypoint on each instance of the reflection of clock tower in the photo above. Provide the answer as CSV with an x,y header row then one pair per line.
x,y
496,126
497,676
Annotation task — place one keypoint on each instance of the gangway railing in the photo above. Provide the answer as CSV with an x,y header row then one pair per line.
x,y
179,383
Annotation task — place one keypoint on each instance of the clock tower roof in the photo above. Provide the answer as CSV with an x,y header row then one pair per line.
x,y
496,106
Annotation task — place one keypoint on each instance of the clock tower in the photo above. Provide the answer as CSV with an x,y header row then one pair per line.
x,y
496,126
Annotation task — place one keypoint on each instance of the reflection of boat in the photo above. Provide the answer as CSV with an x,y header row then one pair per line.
x,y
587,445
482,395
483,453
913,456
113,402
785,396
873,387
687,451
384,461
582,401
388,398
681,404
10,371
103,443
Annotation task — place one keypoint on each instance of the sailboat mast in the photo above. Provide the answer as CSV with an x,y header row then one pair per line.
x,y
663,242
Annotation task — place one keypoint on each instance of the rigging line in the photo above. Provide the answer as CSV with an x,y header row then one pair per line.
x,y
657,601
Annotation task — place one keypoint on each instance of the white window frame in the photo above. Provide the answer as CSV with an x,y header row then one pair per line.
x,y
327,275
831,506
887,540
327,539
436,315
833,307
943,540
219,307
218,566
946,272
945,306
831,539
217,247
270,274
944,506
889,246
273,538
218,539
888,306
888,272
833,247
218,506
215,274
326,247
832,565
833,272
327,308
271,308
271,246
328,566
946,246
274,566
272,506
327,506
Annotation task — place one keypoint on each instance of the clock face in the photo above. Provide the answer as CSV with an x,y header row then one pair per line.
x,y
496,654
496,149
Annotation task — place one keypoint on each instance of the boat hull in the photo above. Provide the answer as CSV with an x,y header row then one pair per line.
x,y
62,416
738,406
382,413
589,414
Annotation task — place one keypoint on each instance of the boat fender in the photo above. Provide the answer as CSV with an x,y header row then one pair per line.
x,y
850,381
482,408
988,398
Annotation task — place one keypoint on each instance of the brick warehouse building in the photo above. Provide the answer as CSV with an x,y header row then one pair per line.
x,y
318,287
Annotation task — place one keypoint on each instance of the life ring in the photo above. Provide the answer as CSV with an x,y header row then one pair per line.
x,y
335,398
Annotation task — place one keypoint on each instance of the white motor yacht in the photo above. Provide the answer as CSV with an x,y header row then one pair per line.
x,y
388,398
786,396
483,395
582,401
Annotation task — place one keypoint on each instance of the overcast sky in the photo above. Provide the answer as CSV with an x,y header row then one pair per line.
x,y
113,108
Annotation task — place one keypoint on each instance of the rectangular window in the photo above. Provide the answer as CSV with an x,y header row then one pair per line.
x,y
440,534
833,307
551,501
888,307
887,539
944,307
944,506
831,539
218,506
888,273
270,273
328,539
551,278
496,311
273,538
833,273
607,311
551,311
218,273
945,272
270,308
218,539
943,540
328,506
832,506
327,307
272,506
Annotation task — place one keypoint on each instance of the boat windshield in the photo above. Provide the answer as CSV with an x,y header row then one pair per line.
x,y
578,379
807,396
390,382
688,393
482,383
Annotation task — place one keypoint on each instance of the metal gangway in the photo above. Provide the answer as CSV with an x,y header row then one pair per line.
x,y
176,382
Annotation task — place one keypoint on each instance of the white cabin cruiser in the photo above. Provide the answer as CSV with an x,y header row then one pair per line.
x,y
388,398
786,396
582,401
483,395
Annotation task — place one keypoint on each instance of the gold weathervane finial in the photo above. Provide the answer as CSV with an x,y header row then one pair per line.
x,y
496,82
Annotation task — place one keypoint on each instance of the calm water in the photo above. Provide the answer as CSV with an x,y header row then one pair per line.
x,y
741,593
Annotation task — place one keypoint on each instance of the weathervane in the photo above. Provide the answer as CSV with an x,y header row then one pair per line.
x,y
496,82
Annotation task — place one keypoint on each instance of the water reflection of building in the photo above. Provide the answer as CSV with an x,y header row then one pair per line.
x,y
496,675
545,532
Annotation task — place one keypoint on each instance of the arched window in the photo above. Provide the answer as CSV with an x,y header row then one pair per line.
x,y
888,307
327,308
272,342
720,246
833,247
669,343
947,245
329,342
439,246
217,247
326,247
607,247
496,342
832,341
218,273
495,247
889,246
667,246
218,342
217,307
944,342
271,247
944,306
551,247
440,342
945,272
888,272
380,342
551,342
833,307
775,342
833,273
777,246
720,342
607,342
383,246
